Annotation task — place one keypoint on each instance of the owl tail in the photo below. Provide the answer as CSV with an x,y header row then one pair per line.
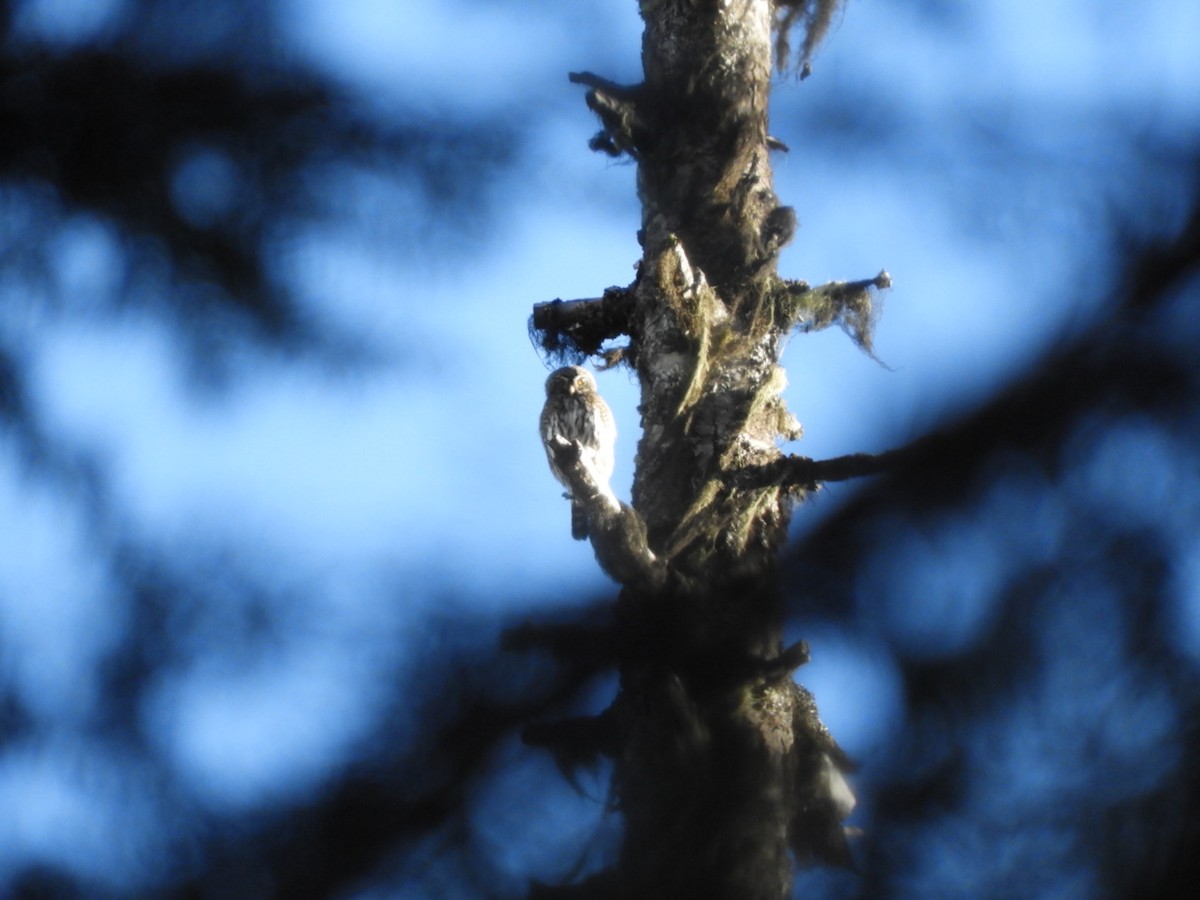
x,y
579,522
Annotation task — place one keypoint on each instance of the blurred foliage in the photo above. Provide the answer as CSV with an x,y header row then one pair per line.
x,y
200,152
181,143
1031,575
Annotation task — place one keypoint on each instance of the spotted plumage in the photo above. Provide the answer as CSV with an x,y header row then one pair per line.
x,y
576,412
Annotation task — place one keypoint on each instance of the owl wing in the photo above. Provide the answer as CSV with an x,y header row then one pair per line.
x,y
551,424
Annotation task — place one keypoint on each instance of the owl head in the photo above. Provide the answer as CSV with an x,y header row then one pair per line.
x,y
570,380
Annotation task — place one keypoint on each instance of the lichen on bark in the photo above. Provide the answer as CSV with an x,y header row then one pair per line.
x,y
723,770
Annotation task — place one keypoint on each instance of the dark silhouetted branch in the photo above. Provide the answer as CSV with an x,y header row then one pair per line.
x,y
576,329
803,472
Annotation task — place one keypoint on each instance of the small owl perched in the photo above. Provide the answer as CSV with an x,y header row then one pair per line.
x,y
576,412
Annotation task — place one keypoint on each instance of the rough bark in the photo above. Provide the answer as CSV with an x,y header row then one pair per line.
x,y
723,771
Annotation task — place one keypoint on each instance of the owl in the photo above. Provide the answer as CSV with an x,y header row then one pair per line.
x,y
574,410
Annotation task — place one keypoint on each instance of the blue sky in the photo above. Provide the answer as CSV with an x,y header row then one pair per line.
x,y
999,151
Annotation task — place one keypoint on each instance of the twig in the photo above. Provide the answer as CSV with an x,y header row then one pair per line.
x,y
804,472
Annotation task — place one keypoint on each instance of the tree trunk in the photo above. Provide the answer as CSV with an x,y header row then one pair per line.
x,y
722,768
